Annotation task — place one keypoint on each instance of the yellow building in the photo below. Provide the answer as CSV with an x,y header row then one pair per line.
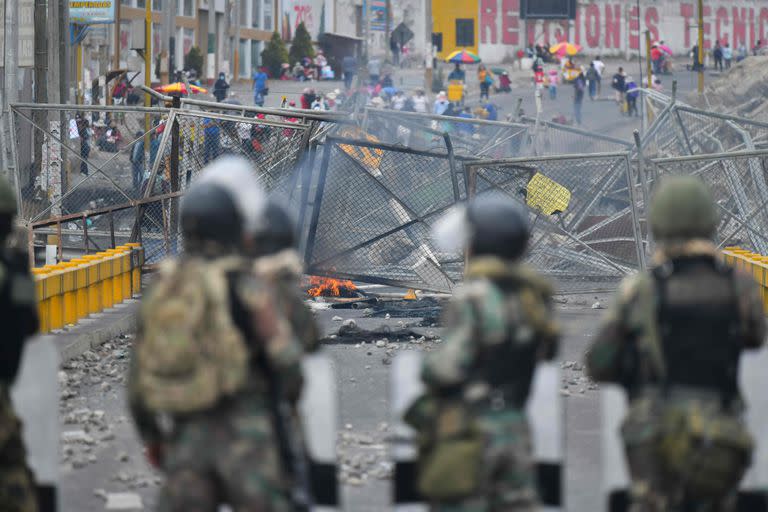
x,y
455,25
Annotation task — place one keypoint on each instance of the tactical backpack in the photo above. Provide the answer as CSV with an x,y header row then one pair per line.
x,y
699,443
452,442
190,354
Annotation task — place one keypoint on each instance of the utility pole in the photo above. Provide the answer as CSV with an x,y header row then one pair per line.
x,y
701,47
41,77
649,69
116,61
147,73
236,42
428,48
11,52
211,60
169,18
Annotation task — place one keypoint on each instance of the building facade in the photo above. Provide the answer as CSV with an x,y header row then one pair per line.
x,y
606,27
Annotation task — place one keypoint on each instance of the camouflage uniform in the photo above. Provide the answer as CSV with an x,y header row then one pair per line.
x,y
229,453
479,321
666,361
283,271
17,293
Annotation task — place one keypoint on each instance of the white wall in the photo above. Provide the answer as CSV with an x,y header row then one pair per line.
x,y
610,27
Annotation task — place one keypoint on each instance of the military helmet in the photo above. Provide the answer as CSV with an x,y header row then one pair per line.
x,y
497,226
682,209
209,216
222,206
7,198
279,231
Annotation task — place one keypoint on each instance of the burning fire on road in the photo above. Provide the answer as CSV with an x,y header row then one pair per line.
x,y
329,287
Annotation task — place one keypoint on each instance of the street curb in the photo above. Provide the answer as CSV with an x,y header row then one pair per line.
x,y
95,330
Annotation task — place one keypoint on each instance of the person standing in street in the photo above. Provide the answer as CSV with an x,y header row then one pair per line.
x,y
441,103
673,339
717,54
632,92
137,161
419,101
593,78
374,70
472,430
727,55
259,86
599,67
619,83
215,369
220,88
348,68
17,488
579,85
485,77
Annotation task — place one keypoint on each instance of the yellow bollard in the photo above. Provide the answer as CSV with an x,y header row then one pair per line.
x,y
81,286
126,275
117,281
137,260
94,283
69,301
54,292
105,273
43,303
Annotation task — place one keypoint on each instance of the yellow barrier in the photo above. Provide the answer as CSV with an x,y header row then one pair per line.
x,y
71,290
754,264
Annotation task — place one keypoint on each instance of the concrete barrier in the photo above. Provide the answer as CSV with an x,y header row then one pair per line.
x,y
75,289
754,264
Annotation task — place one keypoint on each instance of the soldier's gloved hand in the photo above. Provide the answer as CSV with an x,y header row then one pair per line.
x,y
154,452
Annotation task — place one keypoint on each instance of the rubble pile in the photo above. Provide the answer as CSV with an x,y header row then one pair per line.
x,y
574,379
91,386
740,91
363,455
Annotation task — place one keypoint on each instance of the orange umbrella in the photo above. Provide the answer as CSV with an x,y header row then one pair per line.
x,y
180,88
565,48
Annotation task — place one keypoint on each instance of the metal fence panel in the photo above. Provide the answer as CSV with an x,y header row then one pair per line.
x,y
584,230
374,206
738,183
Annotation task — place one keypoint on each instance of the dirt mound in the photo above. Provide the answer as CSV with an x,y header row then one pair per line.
x,y
740,91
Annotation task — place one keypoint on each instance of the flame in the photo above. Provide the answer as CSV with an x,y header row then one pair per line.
x,y
328,287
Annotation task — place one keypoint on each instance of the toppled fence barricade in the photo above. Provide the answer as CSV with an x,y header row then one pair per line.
x,y
367,185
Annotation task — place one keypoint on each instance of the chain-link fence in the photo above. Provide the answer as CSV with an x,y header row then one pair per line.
x,y
584,225
71,159
547,138
740,187
426,132
372,212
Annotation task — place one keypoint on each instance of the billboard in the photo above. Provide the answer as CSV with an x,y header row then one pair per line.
x,y
89,12
378,15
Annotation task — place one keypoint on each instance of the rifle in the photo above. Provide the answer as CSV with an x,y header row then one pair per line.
x,y
293,460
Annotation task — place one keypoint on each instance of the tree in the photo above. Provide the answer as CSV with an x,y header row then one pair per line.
x,y
302,44
274,54
194,60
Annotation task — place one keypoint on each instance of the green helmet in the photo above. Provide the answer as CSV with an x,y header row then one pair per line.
x,y
7,198
682,209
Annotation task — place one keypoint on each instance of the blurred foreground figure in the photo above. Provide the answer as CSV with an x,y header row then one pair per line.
x,y
278,261
216,368
474,443
17,301
673,340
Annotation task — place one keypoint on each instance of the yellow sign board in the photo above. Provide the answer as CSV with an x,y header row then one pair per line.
x,y
369,157
546,195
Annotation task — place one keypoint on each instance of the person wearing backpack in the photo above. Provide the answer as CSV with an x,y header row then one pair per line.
x,y
215,362
17,292
472,430
673,339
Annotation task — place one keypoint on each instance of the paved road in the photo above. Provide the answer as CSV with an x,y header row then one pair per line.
x,y
113,462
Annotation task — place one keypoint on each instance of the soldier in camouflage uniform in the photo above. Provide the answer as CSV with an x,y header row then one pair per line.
x,y
278,261
498,325
672,340
233,451
17,294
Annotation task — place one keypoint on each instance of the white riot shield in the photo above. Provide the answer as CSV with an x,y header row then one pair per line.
x,y
35,396
545,414
752,495
319,415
